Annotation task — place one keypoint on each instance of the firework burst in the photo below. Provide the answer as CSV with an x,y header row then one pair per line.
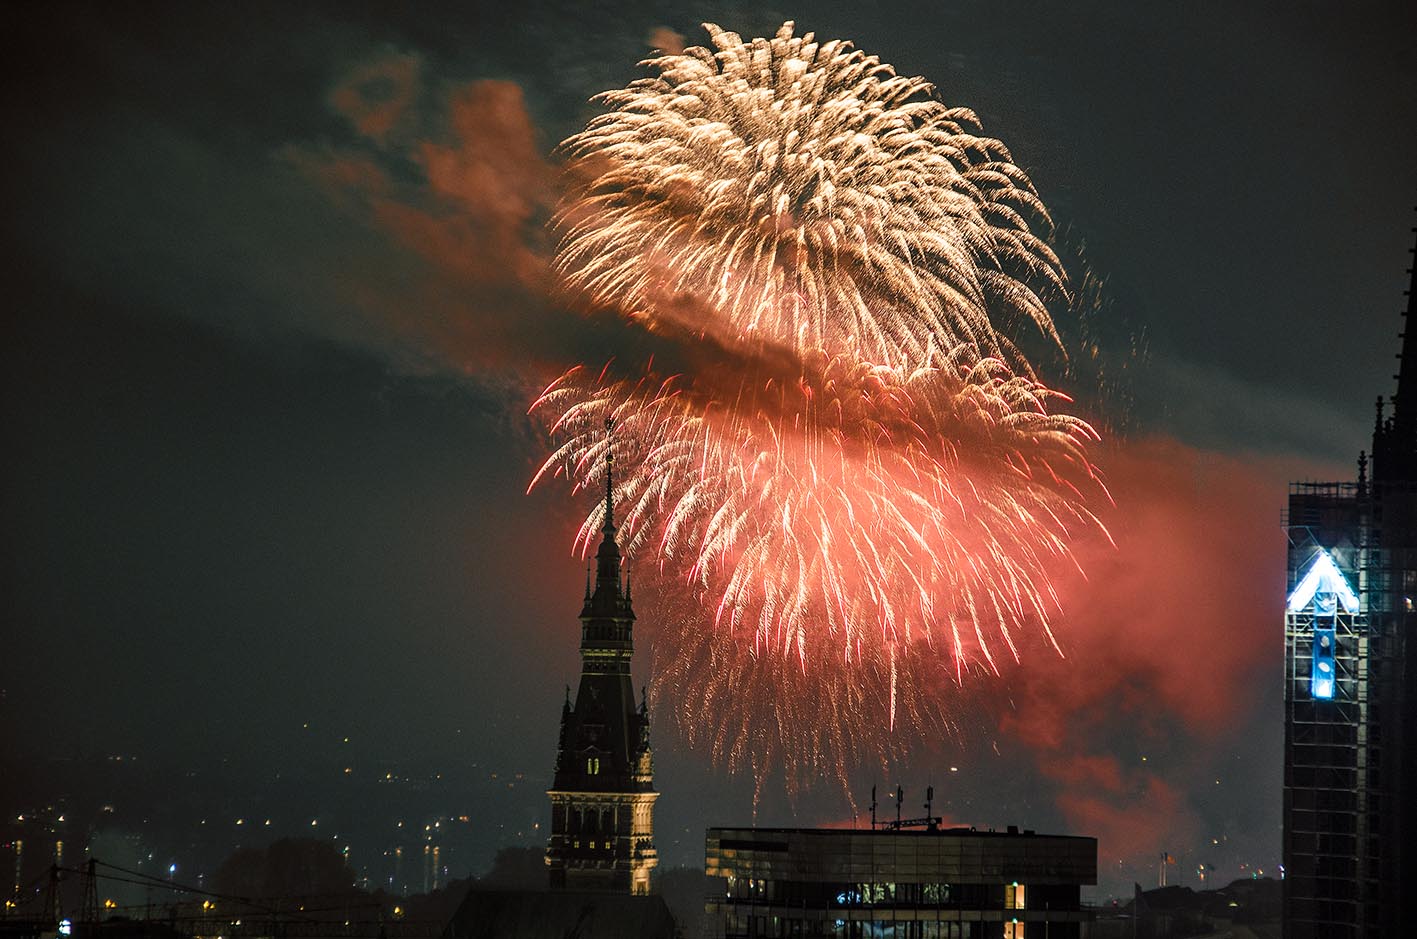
x,y
801,193
866,488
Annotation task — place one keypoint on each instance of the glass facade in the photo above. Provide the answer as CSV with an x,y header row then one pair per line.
x,y
903,884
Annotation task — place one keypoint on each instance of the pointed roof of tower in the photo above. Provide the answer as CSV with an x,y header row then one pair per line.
x,y
1395,437
609,526
1404,403
607,596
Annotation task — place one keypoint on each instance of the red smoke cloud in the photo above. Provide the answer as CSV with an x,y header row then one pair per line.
x,y
472,226
1167,639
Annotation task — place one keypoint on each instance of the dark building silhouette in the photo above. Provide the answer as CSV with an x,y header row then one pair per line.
x,y
931,883
526,914
602,800
1350,838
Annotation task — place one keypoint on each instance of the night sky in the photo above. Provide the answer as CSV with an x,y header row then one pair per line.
x,y
277,305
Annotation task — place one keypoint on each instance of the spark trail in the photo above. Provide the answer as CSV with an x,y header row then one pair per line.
x,y
862,483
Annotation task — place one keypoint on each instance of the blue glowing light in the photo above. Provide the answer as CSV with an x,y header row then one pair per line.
x,y
1321,675
1323,583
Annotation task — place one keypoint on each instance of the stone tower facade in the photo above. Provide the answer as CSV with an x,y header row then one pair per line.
x,y
602,799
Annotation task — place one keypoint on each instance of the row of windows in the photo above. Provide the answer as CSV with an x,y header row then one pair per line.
x,y
1323,823
831,896
738,926
1327,778
1320,755
811,894
592,845
1329,800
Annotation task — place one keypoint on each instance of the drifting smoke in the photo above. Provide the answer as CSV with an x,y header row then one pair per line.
x,y
861,481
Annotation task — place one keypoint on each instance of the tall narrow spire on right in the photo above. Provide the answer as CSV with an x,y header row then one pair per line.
x,y
1395,439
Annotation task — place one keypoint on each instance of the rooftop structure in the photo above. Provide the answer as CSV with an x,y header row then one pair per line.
x,y
906,884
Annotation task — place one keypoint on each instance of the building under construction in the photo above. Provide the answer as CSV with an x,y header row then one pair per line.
x,y
1350,726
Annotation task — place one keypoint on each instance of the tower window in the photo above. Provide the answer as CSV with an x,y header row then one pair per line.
x,y
592,766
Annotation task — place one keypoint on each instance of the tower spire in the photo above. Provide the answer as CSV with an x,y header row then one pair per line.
x,y
1395,440
609,527
1403,401
607,594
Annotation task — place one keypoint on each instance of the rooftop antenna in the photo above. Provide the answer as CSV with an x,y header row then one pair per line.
x,y
929,802
873,807
899,797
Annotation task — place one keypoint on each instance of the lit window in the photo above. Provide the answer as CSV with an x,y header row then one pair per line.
x,y
1013,930
592,766
1015,896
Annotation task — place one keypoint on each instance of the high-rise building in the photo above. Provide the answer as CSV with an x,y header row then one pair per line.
x,y
1350,684
602,800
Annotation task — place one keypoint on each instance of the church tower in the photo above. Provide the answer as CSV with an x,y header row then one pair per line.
x,y
602,800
